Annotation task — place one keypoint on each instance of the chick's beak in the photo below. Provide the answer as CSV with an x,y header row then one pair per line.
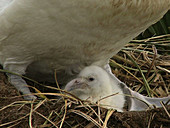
x,y
78,83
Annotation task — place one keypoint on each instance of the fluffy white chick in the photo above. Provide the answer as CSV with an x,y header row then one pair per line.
x,y
96,85
93,84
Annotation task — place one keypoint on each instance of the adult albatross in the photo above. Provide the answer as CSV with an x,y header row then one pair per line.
x,y
40,36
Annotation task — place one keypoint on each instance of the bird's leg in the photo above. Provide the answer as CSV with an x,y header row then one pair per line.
x,y
21,86
16,67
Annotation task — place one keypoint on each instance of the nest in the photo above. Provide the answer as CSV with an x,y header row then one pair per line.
x,y
144,65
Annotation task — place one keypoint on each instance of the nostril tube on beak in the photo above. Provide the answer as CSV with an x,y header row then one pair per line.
x,y
76,81
74,84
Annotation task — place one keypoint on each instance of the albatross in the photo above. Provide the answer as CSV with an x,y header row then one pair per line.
x,y
99,86
38,37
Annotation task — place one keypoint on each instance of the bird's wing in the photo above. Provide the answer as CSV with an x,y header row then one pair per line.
x,y
4,4
140,102
135,101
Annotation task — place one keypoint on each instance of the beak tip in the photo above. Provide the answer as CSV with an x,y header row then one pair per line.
x,y
75,84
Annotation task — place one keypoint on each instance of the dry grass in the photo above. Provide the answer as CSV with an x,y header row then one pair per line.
x,y
144,65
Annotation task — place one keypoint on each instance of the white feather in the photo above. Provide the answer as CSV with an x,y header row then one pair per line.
x,y
67,35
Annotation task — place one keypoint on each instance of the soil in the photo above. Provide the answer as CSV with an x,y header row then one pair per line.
x,y
15,112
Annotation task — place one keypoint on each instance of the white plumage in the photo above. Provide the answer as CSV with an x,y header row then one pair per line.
x,y
94,83
41,36
98,85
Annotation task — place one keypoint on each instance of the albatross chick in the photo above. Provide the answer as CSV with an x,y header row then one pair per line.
x,y
96,85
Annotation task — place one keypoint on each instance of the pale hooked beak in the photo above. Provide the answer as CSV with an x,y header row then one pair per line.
x,y
76,84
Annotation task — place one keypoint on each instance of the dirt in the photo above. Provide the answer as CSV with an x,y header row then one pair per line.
x,y
15,112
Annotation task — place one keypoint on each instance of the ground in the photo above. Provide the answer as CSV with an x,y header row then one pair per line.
x,y
18,113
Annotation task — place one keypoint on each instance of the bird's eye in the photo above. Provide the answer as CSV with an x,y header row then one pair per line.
x,y
91,79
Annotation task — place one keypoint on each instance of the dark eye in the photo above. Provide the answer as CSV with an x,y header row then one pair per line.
x,y
91,79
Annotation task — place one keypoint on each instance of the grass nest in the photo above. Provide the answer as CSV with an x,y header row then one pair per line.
x,y
144,65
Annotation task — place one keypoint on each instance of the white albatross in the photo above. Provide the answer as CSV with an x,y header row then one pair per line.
x,y
97,85
38,37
